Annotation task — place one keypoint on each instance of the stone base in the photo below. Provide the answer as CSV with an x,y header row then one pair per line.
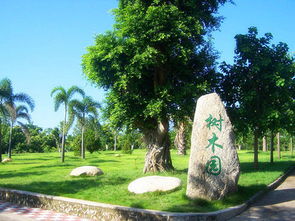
x,y
107,212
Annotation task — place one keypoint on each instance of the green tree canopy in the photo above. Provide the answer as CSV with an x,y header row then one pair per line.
x,y
154,64
259,87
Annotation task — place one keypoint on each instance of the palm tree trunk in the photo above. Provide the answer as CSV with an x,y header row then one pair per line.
x,y
82,143
271,147
64,137
10,140
279,145
255,150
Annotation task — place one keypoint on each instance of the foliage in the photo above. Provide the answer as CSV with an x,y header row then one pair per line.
x,y
85,110
259,88
92,137
129,140
40,140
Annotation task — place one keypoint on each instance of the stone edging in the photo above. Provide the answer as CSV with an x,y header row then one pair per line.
x,y
107,212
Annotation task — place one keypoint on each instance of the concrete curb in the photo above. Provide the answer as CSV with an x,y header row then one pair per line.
x,y
102,211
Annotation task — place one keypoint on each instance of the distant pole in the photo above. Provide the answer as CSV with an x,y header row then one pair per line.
x,y
271,147
279,145
291,146
264,144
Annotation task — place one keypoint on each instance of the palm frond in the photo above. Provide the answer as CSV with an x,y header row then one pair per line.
x,y
58,100
75,89
24,98
5,88
21,109
59,89
11,110
25,130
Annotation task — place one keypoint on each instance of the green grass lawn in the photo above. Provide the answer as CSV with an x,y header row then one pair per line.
x,y
44,173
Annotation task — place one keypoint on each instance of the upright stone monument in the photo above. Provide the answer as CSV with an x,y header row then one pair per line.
x,y
214,165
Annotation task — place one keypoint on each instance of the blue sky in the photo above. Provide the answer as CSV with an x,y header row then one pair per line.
x,y
42,41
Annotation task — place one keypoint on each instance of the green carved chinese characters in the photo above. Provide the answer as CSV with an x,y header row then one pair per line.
x,y
213,122
213,144
213,166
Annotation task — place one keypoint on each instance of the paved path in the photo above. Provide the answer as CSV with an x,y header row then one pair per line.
x,y
11,212
276,205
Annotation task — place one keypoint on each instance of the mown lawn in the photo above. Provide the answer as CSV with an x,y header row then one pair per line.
x,y
44,173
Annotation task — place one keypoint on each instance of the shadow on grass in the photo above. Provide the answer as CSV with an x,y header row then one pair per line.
x,y
68,186
34,159
102,161
202,205
138,205
247,167
183,171
20,174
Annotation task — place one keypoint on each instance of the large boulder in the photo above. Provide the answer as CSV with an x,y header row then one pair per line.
x,y
214,165
6,160
154,183
86,171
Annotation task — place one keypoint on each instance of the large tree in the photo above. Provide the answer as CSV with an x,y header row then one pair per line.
x,y
154,65
63,96
259,87
83,110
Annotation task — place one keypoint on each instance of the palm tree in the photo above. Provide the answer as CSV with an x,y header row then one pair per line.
x,y
16,113
4,92
10,109
63,96
83,110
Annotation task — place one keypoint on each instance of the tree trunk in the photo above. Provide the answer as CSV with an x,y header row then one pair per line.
x,y
255,150
158,156
0,141
115,142
63,141
291,146
264,144
279,145
271,147
179,140
240,146
10,141
82,143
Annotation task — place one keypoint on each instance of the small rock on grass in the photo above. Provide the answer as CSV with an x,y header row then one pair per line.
x,y
86,171
6,160
153,184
